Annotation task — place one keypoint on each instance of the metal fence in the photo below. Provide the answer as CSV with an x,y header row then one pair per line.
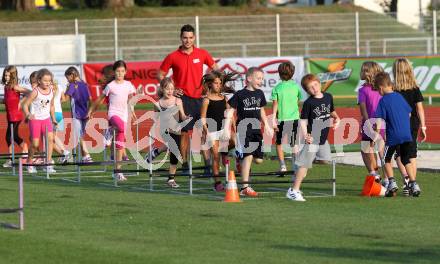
x,y
346,34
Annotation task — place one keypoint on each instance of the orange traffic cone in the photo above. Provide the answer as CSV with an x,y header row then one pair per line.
x,y
232,195
367,185
372,188
377,189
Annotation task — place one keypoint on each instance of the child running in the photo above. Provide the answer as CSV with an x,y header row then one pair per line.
x,y
285,98
249,104
314,127
170,112
14,115
119,92
405,84
212,114
395,112
368,99
39,111
80,99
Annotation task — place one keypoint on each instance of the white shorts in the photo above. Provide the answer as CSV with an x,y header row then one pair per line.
x,y
212,136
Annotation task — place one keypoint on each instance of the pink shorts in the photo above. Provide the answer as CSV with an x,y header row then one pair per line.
x,y
38,127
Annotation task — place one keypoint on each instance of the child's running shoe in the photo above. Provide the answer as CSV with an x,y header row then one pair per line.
x,y
152,155
406,190
385,183
125,158
415,189
31,169
283,168
295,195
248,191
219,187
7,164
391,189
87,159
172,183
405,187
65,158
120,177
50,169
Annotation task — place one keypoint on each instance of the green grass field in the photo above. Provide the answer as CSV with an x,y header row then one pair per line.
x,y
91,223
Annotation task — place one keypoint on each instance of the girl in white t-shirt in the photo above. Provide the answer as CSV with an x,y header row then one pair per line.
x,y
119,92
39,111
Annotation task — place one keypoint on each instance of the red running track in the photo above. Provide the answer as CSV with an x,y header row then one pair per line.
x,y
432,122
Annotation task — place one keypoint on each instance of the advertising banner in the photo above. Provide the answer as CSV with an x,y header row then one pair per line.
x,y
341,76
269,67
25,71
143,75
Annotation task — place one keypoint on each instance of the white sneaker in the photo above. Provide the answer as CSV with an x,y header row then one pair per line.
x,y
172,183
295,195
66,157
31,169
7,164
120,177
50,169
283,168
87,159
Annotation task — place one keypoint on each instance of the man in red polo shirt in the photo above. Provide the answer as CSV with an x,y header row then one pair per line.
x,y
187,65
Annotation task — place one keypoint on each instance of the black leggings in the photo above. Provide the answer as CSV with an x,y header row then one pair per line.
x,y
17,138
173,158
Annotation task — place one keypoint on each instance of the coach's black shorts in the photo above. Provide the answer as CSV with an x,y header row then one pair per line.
x,y
253,139
192,107
404,149
287,129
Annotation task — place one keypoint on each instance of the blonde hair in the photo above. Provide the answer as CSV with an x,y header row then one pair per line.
x,y
369,70
403,73
166,82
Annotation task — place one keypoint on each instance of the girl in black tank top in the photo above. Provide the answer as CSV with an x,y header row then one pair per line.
x,y
212,114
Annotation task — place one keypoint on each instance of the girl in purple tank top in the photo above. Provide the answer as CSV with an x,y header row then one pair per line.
x,y
368,99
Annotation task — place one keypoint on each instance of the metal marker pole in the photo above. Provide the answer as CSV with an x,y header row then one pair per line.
x,y
137,147
334,176
105,157
77,139
190,169
115,179
46,144
12,149
150,166
20,195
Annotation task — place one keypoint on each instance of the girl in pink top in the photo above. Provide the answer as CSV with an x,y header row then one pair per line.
x,y
368,99
39,110
13,111
119,91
